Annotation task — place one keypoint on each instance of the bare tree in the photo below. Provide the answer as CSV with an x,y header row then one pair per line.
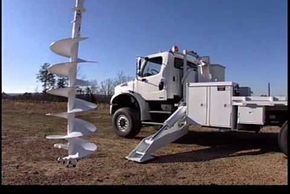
x,y
94,86
107,87
121,78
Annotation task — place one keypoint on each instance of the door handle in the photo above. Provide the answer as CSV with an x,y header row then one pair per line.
x,y
144,80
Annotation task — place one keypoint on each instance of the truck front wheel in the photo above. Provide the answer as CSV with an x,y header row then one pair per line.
x,y
126,122
283,138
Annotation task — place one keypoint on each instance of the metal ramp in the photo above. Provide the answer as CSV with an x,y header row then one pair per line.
x,y
173,128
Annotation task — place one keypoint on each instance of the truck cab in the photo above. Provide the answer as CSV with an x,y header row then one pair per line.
x,y
157,90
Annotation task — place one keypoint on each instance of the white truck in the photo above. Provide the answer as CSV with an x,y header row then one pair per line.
x,y
174,90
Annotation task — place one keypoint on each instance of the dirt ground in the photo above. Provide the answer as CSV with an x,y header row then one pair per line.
x,y
202,157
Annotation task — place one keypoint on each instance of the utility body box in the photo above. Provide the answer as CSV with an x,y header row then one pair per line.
x,y
251,115
210,104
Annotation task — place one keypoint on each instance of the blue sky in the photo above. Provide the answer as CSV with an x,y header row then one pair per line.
x,y
249,37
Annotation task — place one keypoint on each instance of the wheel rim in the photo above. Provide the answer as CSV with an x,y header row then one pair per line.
x,y
123,123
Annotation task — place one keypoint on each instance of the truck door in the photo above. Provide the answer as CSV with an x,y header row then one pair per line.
x,y
177,71
149,80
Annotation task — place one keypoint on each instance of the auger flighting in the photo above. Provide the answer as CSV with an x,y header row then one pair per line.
x,y
76,128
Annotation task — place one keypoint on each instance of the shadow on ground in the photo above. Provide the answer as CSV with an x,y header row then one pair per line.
x,y
222,145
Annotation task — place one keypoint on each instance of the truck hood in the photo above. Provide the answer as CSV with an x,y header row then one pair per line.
x,y
124,87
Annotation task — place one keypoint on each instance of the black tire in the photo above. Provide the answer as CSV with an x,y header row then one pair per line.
x,y
126,122
283,138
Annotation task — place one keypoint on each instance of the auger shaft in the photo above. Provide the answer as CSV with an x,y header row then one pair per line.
x,y
76,32
76,128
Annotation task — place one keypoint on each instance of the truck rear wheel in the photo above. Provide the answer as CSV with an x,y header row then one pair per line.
x,y
283,138
126,122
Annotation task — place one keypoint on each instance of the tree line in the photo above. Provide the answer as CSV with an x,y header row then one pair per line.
x,y
90,90
106,87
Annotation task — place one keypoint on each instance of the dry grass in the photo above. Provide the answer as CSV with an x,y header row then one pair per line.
x,y
204,156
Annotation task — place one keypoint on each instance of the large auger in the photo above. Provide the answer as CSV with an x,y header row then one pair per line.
x,y
76,128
